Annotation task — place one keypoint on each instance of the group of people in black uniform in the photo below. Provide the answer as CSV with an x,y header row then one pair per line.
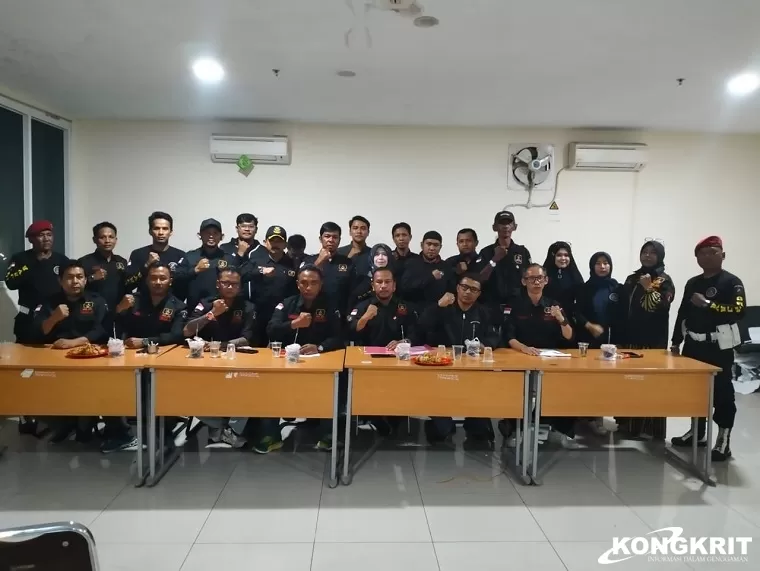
x,y
251,293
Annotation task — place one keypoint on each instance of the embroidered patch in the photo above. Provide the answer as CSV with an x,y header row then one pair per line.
x,y
507,310
342,268
199,307
56,269
221,264
87,307
320,315
711,292
354,312
120,266
166,314
172,266
518,259
613,297
279,306
547,310
401,309
237,315
291,273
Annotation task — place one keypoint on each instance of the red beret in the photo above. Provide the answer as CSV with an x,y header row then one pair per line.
x,y
709,242
37,227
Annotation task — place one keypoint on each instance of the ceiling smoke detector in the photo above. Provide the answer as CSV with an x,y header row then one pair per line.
x,y
426,21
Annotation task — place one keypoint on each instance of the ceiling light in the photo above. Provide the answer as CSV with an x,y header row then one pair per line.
x,y
425,21
208,70
346,73
743,84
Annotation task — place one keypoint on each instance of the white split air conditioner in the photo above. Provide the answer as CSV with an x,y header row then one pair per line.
x,y
607,156
261,150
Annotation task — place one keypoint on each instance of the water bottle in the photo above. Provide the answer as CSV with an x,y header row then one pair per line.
x,y
230,351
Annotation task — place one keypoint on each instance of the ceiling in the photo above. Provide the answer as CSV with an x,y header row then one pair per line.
x,y
559,63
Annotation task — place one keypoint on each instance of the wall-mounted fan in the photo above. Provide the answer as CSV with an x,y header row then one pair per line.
x,y
531,167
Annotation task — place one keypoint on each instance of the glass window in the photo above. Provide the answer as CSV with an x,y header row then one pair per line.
x,y
48,179
11,186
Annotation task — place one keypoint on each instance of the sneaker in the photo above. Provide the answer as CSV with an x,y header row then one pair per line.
x,y
325,445
505,428
567,442
27,427
234,440
62,434
267,445
126,443
722,449
597,426
214,436
684,441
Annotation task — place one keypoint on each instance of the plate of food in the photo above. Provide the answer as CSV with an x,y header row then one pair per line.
x,y
87,351
432,360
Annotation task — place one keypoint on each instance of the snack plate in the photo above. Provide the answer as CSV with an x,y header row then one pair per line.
x,y
101,353
445,362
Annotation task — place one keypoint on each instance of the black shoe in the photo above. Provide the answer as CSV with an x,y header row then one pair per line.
x,y
505,428
684,441
432,434
27,427
62,433
722,449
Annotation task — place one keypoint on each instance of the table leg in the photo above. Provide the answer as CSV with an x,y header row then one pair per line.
x,y
526,428
708,450
140,478
518,441
165,463
151,428
539,375
161,440
336,413
346,477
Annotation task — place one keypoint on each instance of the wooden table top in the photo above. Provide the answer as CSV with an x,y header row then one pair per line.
x,y
261,361
504,360
39,356
653,361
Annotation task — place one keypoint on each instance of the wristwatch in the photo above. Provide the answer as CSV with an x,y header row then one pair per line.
x,y
492,263
563,323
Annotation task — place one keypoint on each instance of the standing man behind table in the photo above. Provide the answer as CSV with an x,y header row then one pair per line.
x,y
337,270
358,251
229,318
534,322
502,263
156,316
161,228
197,272
402,237
246,247
427,278
456,318
296,249
713,303
35,274
311,320
467,244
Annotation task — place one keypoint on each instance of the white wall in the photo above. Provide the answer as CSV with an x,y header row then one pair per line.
x,y
433,178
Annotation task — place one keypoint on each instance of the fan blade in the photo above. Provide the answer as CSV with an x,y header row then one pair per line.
x,y
539,177
518,162
520,175
532,153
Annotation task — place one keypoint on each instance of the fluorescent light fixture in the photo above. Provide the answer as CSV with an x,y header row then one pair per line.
x,y
743,84
208,70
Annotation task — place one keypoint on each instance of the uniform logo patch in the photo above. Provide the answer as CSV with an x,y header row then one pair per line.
x,y
738,288
401,309
547,310
711,292
507,310
320,315
56,269
120,266
279,306
518,259
87,307
166,314
237,315
342,268
613,297
221,264
291,273
199,307
354,312
172,266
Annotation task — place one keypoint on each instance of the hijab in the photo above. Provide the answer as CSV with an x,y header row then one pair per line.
x,y
562,278
659,267
601,287
373,252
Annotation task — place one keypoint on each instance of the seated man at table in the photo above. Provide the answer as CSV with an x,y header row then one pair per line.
x,y
69,319
382,321
226,318
311,320
154,316
455,319
534,322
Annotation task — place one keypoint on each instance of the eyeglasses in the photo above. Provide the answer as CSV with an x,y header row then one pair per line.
x,y
535,279
467,288
229,285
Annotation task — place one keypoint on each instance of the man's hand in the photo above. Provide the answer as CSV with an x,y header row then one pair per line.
x,y
133,342
392,345
645,281
218,307
99,274
556,312
530,350
309,349
268,271
675,349
437,274
499,254
152,258
202,265
65,344
242,248
595,329
61,312
446,300
354,251
371,312
302,321
700,300
126,302
462,268
322,257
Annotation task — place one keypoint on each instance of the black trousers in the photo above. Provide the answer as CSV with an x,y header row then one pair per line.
x,y
724,403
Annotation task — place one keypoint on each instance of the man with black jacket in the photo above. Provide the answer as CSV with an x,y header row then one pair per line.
x,y
402,236
427,277
358,251
105,271
467,243
246,247
337,269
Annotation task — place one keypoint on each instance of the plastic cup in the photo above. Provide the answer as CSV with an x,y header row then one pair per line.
x,y
5,349
473,348
215,348
292,353
276,347
404,351
488,355
441,350
196,348
583,349
458,351
609,352
230,354
115,347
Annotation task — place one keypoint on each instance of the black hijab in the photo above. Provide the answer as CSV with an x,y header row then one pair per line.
x,y
388,253
659,267
570,276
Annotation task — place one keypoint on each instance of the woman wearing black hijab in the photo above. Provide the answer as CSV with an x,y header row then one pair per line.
x,y
647,294
597,304
380,256
565,278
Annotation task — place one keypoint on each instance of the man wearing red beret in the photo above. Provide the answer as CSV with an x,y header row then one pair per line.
x,y
712,305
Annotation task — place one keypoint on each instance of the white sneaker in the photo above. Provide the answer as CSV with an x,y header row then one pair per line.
x,y
234,440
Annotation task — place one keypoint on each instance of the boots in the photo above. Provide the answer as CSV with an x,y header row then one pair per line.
x,y
722,449
684,441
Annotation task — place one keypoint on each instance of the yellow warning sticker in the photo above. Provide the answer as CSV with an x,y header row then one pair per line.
x,y
554,206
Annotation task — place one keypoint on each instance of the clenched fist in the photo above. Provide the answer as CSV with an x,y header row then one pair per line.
x,y
61,312
302,321
202,265
218,307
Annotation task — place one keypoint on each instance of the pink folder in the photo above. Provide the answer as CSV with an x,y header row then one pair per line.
x,y
417,350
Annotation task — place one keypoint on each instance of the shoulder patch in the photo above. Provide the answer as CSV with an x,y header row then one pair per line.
x,y
739,288
354,311
56,269
199,307
119,265
613,297
280,306
507,310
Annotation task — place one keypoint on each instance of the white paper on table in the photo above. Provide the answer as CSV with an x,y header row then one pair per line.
x,y
754,334
553,353
308,356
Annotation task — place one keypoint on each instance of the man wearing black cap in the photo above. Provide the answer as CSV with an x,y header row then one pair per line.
x,y
713,303
274,278
198,270
427,278
502,263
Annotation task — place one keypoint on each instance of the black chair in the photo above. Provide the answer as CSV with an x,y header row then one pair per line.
x,y
748,353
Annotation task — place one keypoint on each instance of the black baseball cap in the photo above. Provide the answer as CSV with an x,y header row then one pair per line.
x,y
210,223
503,217
276,232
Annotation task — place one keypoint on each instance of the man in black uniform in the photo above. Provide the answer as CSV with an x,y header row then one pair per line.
x,y
402,237
153,316
337,269
160,227
427,277
533,322
712,305
467,244
198,269
358,251
311,319
456,318
105,271
246,247
501,264
296,249
274,278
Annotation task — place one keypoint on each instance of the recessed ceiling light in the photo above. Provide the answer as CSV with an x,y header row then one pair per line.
x,y
743,84
208,70
346,73
426,21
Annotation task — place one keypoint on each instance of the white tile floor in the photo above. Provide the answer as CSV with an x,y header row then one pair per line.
x,y
417,509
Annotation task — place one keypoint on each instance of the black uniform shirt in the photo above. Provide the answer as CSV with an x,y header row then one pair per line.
x,y
394,321
325,328
532,325
505,282
203,284
255,255
273,288
451,326
136,270
724,291
161,323
361,260
339,275
36,280
469,259
113,287
238,321
400,262
418,285
87,316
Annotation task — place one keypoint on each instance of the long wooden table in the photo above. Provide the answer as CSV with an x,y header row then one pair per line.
x,y
258,385
386,386
40,381
658,384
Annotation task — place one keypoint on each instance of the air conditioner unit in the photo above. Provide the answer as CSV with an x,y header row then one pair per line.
x,y
261,150
607,156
